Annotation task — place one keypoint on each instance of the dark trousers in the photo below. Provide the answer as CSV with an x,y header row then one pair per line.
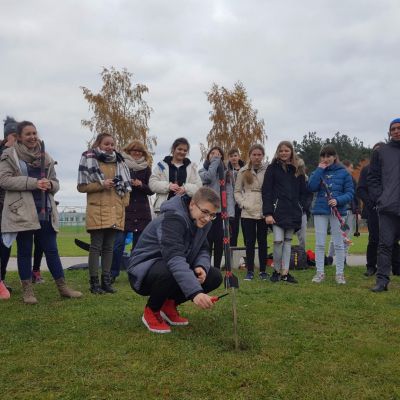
x,y
118,252
373,241
234,224
47,240
215,239
255,229
37,254
101,243
160,285
4,257
389,234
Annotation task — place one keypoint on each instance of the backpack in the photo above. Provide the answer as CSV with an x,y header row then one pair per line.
x,y
298,258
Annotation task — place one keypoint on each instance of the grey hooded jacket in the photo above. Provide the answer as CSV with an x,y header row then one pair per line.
x,y
210,178
173,237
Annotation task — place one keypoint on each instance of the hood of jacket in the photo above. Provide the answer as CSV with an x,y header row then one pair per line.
x,y
168,160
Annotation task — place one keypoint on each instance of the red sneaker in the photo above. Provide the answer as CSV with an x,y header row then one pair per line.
x,y
171,315
154,322
4,293
37,277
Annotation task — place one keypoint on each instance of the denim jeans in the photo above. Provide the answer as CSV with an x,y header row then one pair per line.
x,y
302,232
282,247
321,228
47,239
119,247
350,220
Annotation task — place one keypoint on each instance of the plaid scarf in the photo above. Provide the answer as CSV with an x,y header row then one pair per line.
x,y
89,170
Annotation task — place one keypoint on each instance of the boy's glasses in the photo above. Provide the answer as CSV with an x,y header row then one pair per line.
x,y
206,213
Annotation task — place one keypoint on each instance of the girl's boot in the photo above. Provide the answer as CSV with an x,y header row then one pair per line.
x,y
65,291
28,296
95,287
106,283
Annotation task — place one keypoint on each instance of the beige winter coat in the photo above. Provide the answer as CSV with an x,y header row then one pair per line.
x,y
19,211
105,208
248,196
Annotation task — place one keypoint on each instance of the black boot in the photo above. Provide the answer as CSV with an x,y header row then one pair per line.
x,y
371,271
95,285
380,287
106,283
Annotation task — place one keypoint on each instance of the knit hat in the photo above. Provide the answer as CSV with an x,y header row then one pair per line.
x,y
395,121
10,126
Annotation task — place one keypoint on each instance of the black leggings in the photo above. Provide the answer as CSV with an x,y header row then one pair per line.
x,y
255,229
160,285
4,258
215,239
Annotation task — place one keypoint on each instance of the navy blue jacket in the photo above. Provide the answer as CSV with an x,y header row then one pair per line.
x,y
339,182
284,195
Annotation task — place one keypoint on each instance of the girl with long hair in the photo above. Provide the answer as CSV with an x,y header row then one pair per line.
x,y
340,184
248,196
174,175
137,213
283,196
210,177
29,195
105,178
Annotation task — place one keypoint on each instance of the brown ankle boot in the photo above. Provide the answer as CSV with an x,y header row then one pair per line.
x,y
65,291
28,296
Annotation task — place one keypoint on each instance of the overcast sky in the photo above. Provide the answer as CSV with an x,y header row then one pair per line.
x,y
311,65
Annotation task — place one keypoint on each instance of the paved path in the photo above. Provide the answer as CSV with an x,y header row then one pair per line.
x,y
353,259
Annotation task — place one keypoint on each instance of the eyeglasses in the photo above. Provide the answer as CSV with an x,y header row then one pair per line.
x,y
206,213
395,128
135,151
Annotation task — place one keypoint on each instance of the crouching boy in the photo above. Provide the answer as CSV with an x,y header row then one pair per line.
x,y
171,261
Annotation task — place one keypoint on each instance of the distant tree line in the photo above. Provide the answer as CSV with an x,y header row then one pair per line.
x,y
347,148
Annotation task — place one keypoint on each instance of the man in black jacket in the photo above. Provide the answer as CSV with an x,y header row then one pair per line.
x,y
171,261
371,216
384,189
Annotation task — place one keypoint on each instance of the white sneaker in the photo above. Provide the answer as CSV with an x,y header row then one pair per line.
x,y
340,279
319,277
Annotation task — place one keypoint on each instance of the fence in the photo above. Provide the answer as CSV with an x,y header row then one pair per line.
x,y
72,218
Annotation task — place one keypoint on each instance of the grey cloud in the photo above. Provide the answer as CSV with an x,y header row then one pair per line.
x,y
311,65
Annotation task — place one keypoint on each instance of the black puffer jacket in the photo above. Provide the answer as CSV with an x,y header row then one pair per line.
x,y
384,178
284,195
363,193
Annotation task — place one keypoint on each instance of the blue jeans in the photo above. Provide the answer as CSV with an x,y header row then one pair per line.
x,y
350,220
282,248
321,228
118,252
47,238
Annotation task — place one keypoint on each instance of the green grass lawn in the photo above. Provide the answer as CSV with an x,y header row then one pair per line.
x,y
304,341
67,247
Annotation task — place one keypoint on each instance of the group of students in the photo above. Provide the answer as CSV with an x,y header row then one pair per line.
x,y
171,255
